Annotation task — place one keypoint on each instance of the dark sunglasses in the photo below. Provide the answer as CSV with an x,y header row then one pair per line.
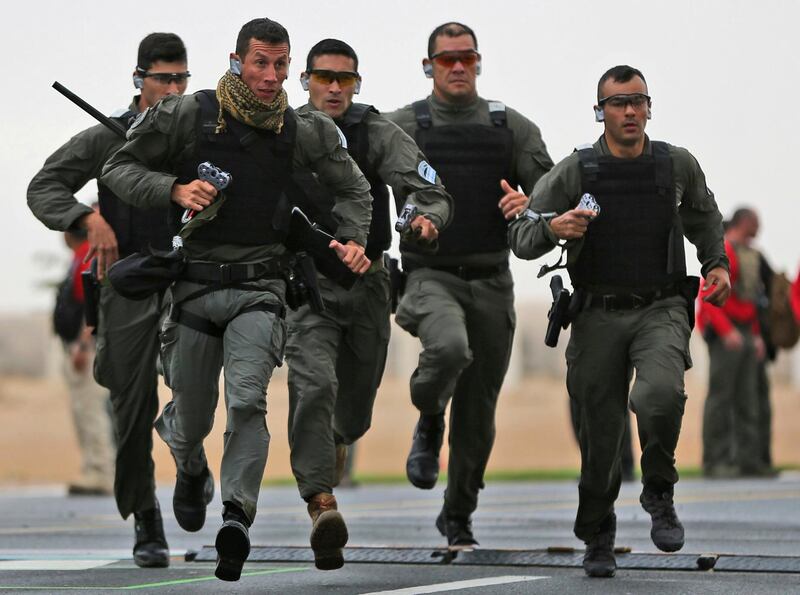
x,y
345,78
166,78
449,59
635,100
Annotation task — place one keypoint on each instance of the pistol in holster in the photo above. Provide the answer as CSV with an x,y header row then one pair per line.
x,y
558,317
91,295
302,286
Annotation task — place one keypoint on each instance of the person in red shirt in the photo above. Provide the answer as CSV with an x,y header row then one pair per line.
x,y
795,298
732,417
89,402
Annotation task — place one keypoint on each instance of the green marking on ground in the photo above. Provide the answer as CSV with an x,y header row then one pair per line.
x,y
187,581
562,474
171,583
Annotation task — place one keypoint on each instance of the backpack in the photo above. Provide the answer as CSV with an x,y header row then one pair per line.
x,y
784,328
68,312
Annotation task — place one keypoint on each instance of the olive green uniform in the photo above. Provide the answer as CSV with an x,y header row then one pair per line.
x,y
253,341
336,358
605,346
127,330
466,326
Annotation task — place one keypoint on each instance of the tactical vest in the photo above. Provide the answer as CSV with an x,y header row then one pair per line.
x,y
260,164
317,202
136,229
471,159
636,242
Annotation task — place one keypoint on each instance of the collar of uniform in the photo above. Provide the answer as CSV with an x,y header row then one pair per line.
x,y
134,106
455,107
308,107
601,146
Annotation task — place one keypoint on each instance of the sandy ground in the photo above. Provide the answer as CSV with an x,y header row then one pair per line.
x,y
38,443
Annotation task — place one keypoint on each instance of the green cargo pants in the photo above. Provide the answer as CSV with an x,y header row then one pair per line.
x,y
466,329
125,363
249,350
336,361
732,413
602,350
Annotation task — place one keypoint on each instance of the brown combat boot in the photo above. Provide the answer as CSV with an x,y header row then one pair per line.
x,y
328,533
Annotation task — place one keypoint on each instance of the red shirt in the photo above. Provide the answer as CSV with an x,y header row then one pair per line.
x,y
77,267
794,298
735,310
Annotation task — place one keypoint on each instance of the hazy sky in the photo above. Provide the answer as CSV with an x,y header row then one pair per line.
x,y
723,75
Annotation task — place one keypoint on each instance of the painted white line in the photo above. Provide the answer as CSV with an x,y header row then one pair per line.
x,y
52,564
454,586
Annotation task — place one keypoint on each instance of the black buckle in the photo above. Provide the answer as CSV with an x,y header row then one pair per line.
x,y
609,303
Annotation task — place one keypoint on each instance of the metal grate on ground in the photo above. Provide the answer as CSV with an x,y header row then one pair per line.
x,y
543,558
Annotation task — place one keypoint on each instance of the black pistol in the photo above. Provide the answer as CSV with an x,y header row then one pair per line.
x,y
301,284
404,219
91,295
558,316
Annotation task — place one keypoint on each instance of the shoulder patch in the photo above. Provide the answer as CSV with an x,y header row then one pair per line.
x,y
427,172
342,138
497,106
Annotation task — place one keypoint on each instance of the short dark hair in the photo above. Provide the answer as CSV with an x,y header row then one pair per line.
x,y
330,46
739,215
166,47
265,30
452,29
619,74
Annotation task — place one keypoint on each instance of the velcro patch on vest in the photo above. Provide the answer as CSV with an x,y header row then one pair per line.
x,y
427,172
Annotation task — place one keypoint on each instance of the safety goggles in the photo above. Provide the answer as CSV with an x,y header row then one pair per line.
x,y
166,78
635,100
345,78
449,59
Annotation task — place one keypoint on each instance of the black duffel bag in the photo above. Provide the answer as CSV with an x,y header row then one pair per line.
x,y
143,274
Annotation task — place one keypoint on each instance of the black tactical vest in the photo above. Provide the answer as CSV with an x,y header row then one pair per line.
x,y
471,159
260,164
317,202
136,229
636,242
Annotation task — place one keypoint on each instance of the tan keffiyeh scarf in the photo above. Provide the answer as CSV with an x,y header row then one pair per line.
x,y
239,101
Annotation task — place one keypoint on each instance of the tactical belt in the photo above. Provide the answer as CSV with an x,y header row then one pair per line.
x,y
467,273
630,301
207,272
205,326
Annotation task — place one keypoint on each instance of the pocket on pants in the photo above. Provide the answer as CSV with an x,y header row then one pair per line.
x,y
680,321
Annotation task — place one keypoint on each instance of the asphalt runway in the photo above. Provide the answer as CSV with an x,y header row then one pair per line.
x,y
51,543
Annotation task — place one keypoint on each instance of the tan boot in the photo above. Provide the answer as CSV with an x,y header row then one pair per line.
x,y
341,460
328,533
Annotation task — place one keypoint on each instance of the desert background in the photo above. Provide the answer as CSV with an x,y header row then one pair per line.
x,y
534,437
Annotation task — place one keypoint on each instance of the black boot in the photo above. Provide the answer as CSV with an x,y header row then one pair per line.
x,y
192,494
458,530
233,543
422,466
666,530
151,549
599,561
